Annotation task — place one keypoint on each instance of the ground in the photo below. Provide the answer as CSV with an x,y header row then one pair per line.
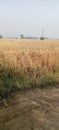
x,y
32,110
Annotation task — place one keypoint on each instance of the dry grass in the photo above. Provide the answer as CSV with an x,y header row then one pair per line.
x,y
30,54
25,64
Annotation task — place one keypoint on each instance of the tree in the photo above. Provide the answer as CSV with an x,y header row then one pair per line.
x,y
42,38
1,36
22,36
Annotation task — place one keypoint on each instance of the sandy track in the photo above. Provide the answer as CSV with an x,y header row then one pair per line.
x,y
32,110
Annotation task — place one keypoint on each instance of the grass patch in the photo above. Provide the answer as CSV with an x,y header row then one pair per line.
x,y
14,79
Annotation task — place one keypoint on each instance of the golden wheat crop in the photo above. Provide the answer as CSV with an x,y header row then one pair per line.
x,y
30,54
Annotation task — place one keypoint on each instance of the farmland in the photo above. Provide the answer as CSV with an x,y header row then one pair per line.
x,y
29,84
27,64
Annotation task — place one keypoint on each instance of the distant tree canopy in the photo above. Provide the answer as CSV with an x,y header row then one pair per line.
x,y
1,36
22,36
42,38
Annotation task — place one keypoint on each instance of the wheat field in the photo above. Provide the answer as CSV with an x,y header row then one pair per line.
x,y
26,64
30,54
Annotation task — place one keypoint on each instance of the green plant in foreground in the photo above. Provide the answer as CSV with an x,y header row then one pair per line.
x,y
49,80
12,80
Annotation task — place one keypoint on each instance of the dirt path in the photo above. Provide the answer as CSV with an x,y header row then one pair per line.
x,y
34,110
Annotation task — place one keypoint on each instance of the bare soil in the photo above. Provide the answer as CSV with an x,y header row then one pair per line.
x,y
32,110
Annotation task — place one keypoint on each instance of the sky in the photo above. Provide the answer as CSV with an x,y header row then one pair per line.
x,y
29,17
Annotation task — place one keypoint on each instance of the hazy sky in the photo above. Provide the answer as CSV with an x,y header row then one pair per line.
x,y
29,17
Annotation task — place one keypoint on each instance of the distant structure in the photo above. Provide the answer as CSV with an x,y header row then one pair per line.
x,y
28,37
43,37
